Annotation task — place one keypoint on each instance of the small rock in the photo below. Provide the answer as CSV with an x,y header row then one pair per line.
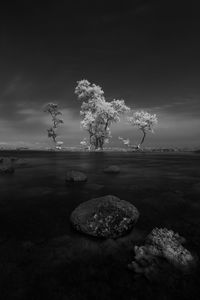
x,y
75,176
6,169
13,158
21,162
113,169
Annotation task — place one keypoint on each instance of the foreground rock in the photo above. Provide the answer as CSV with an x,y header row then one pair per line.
x,y
162,245
113,169
107,217
75,176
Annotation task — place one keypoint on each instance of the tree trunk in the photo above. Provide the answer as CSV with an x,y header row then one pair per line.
x,y
96,143
142,140
90,141
54,139
101,142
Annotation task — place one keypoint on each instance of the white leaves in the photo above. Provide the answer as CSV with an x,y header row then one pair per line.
x,y
98,114
85,90
125,141
143,120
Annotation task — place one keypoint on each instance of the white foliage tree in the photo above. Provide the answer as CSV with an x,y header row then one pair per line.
x,y
97,113
144,121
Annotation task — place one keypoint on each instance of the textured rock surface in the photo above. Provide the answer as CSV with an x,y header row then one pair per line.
x,y
112,169
107,217
75,176
161,244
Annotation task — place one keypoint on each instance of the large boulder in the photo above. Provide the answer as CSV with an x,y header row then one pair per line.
x,y
113,169
75,176
107,217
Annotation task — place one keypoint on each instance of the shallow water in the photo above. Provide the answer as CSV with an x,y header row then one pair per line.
x,y
36,203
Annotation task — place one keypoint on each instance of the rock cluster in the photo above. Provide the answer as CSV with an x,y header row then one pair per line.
x,y
107,217
161,244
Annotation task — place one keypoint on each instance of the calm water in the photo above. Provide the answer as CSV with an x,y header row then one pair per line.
x,y
35,205
160,185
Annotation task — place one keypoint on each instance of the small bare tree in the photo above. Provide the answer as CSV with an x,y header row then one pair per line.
x,y
53,110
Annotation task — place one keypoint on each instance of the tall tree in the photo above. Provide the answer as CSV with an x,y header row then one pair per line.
x,y
97,113
144,121
54,112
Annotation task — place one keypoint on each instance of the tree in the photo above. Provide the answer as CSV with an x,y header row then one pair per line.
x,y
143,121
53,110
97,113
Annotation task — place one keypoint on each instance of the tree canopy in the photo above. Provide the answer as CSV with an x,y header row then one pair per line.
x,y
97,113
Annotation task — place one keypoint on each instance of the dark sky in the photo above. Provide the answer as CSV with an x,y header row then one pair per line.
x,y
146,52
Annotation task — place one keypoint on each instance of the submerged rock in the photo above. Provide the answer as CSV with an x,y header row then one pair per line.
x,y
75,176
6,166
94,186
7,170
161,244
20,163
107,217
13,158
112,169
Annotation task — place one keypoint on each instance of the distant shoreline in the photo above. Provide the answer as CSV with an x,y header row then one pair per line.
x,y
76,149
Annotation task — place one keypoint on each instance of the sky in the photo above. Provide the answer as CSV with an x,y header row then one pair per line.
x,y
145,52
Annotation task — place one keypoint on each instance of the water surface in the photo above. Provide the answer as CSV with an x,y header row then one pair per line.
x,y
36,202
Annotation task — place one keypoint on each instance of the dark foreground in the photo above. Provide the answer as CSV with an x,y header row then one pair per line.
x,y
42,257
